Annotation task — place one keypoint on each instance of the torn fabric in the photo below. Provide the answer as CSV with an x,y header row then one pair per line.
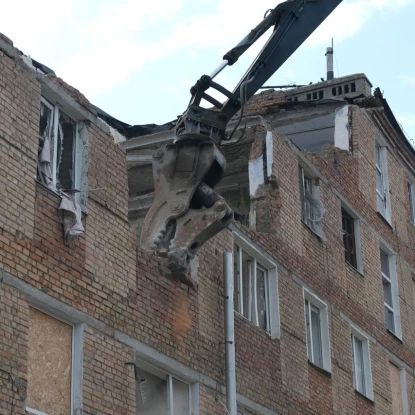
x,y
317,211
45,169
70,215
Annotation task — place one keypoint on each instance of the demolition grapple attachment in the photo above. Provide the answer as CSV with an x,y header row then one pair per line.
x,y
186,211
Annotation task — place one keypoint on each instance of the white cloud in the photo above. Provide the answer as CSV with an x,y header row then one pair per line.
x,y
408,79
96,48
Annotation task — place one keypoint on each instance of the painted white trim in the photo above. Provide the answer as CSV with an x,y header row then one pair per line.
x,y
270,266
393,277
366,362
35,411
404,391
324,327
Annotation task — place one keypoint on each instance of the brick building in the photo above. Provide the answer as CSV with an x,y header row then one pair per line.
x,y
322,183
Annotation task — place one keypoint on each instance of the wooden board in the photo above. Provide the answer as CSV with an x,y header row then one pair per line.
x,y
50,364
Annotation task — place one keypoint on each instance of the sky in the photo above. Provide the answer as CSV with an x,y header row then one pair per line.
x,y
138,59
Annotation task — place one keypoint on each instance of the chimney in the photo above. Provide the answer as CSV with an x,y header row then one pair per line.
x,y
329,58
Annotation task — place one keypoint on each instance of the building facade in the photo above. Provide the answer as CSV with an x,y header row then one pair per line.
x,y
324,262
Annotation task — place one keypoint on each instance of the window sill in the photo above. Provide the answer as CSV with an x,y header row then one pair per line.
x,y
370,400
395,336
251,323
320,369
355,270
84,210
312,231
388,222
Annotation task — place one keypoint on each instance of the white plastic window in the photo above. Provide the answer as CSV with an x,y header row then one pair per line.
x,y
390,292
251,289
362,376
317,331
160,393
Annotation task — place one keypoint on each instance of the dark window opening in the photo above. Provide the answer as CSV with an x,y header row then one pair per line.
x,y
289,99
320,95
353,87
340,90
346,89
296,99
349,239
334,91
65,161
308,97
314,95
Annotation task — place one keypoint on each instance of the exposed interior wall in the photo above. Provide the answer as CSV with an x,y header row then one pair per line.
x,y
50,364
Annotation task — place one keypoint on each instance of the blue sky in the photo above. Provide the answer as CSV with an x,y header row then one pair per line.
x,y
138,59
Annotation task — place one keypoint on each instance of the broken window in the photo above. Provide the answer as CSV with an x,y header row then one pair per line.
x,y
58,139
321,94
312,210
49,365
160,393
349,238
382,185
314,95
346,89
251,289
308,97
334,91
353,87
339,90
411,195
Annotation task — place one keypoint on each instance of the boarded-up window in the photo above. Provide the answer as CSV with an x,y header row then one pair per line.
x,y
50,365
395,379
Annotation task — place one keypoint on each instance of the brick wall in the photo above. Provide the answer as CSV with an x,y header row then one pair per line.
x,y
125,290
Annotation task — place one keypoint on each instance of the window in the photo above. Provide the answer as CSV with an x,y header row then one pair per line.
x,y
362,376
314,95
339,90
58,147
390,292
54,363
346,89
255,286
334,91
398,389
161,393
308,97
252,289
312,210
320,94
349,239
382,186
317,331
411,195
353,87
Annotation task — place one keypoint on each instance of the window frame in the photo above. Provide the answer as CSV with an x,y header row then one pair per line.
x,y
357,239
263,262
78,163
391,279
77,361
367,367
382,195
411,196
169,376
315,301
308,215
403,386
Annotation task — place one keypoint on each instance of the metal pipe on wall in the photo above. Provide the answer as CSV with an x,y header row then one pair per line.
x,y
229,334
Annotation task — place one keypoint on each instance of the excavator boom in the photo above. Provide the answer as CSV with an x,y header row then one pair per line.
x,y
187,211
